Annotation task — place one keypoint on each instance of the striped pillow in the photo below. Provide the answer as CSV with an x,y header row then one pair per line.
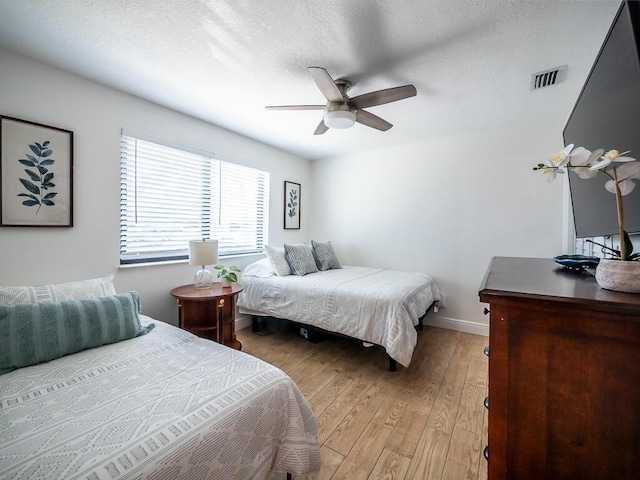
x,y
38,332
278,260
60,292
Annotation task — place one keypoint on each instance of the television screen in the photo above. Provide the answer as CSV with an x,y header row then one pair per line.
x,y
607,115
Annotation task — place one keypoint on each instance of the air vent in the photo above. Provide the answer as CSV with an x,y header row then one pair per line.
x,y
547,78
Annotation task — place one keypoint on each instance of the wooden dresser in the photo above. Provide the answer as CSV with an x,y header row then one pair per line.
x,y
564,374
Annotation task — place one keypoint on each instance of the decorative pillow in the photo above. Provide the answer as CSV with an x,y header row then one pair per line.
x,y
261,268
93,288
324,255
278,260
38,332
300,259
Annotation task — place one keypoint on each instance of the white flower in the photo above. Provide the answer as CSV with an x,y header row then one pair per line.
x,y
609,157
561,159
586,165
582,159
625,175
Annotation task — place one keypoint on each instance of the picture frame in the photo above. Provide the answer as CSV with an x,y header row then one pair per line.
x,y
36,174
292,195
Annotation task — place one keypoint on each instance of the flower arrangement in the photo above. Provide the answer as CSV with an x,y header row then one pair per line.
x,y
621,170
230,273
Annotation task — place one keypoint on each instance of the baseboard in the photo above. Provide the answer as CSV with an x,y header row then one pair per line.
x,y
244,321
458,325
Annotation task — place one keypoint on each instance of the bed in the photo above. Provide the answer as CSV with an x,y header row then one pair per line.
x,y
375,305
164,404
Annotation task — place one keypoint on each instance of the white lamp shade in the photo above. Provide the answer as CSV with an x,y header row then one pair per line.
x,y
203,252
339,119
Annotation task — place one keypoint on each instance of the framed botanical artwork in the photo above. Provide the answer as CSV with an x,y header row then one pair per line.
x,y
291,205
36,174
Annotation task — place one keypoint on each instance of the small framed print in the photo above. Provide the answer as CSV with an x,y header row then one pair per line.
x,y
36,174
291,205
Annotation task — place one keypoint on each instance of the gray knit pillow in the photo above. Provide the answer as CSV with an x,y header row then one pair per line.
x,y
324,255
300,259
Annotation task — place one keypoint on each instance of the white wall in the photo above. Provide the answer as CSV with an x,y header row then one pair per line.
x,y
444,207
96,114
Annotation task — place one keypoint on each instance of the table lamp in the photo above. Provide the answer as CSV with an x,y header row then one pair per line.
x,y
203,252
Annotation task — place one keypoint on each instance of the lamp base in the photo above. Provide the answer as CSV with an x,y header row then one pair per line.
x,y
203,279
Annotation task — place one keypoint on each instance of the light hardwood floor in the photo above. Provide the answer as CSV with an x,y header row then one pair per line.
x,y
425,422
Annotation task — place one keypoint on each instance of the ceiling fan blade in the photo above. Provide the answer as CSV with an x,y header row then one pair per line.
x,y
380,97
296,107
371,120
321,128
326,84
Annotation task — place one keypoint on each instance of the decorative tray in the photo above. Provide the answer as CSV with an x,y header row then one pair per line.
x,y
577,262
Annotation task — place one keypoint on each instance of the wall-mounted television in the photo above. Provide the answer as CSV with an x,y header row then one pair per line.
x,y
607,115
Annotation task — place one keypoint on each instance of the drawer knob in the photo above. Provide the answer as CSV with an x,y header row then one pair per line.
x,y
486,402
485,452
486,351
486,311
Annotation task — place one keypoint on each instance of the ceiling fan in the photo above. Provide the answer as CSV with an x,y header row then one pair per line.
x,y
341,111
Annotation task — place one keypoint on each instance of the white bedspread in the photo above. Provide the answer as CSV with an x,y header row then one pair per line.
x,y
166,405
374,305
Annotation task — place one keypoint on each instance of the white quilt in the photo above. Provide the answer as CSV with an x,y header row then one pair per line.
x,y
371,304
166,405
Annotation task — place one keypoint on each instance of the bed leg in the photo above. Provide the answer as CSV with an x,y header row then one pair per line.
x,y
393,366
254,324
289,476
421,323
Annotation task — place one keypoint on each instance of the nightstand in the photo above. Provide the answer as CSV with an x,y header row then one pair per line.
x,y
210,312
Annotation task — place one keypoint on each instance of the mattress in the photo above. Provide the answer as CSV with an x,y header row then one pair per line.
x,y
375,305
166,405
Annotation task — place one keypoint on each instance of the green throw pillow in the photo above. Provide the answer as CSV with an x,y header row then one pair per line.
x,y
38,332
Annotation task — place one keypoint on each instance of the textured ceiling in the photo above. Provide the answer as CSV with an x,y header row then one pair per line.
x,y
223,61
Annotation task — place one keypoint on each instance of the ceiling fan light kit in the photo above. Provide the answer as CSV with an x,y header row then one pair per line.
x,y
339,119
342,111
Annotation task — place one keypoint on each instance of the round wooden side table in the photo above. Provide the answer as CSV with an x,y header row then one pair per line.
x,y
209,312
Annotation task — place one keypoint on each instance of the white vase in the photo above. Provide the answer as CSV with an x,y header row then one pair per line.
x,y
225,282
618,275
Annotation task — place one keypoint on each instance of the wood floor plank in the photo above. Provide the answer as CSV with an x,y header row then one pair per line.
x,y
331,460
420,423
463,457
360,461
329,393
346,433
443,413
406,435
471,408
478,373
429,459
336,412
390,466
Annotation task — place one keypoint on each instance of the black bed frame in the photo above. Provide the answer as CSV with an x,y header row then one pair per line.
x,y
393,366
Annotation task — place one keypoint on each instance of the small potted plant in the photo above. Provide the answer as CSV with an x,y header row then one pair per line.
x,y
621,273
227,275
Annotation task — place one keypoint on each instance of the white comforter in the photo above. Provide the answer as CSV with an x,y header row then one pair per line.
x,y
371,304
166,405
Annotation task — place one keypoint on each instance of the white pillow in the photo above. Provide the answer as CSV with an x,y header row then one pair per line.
x,y
81,290
278,260
261,268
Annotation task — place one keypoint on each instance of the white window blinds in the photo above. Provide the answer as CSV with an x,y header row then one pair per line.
x,y
169,196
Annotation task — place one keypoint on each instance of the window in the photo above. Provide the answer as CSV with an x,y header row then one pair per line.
x,y
170,195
